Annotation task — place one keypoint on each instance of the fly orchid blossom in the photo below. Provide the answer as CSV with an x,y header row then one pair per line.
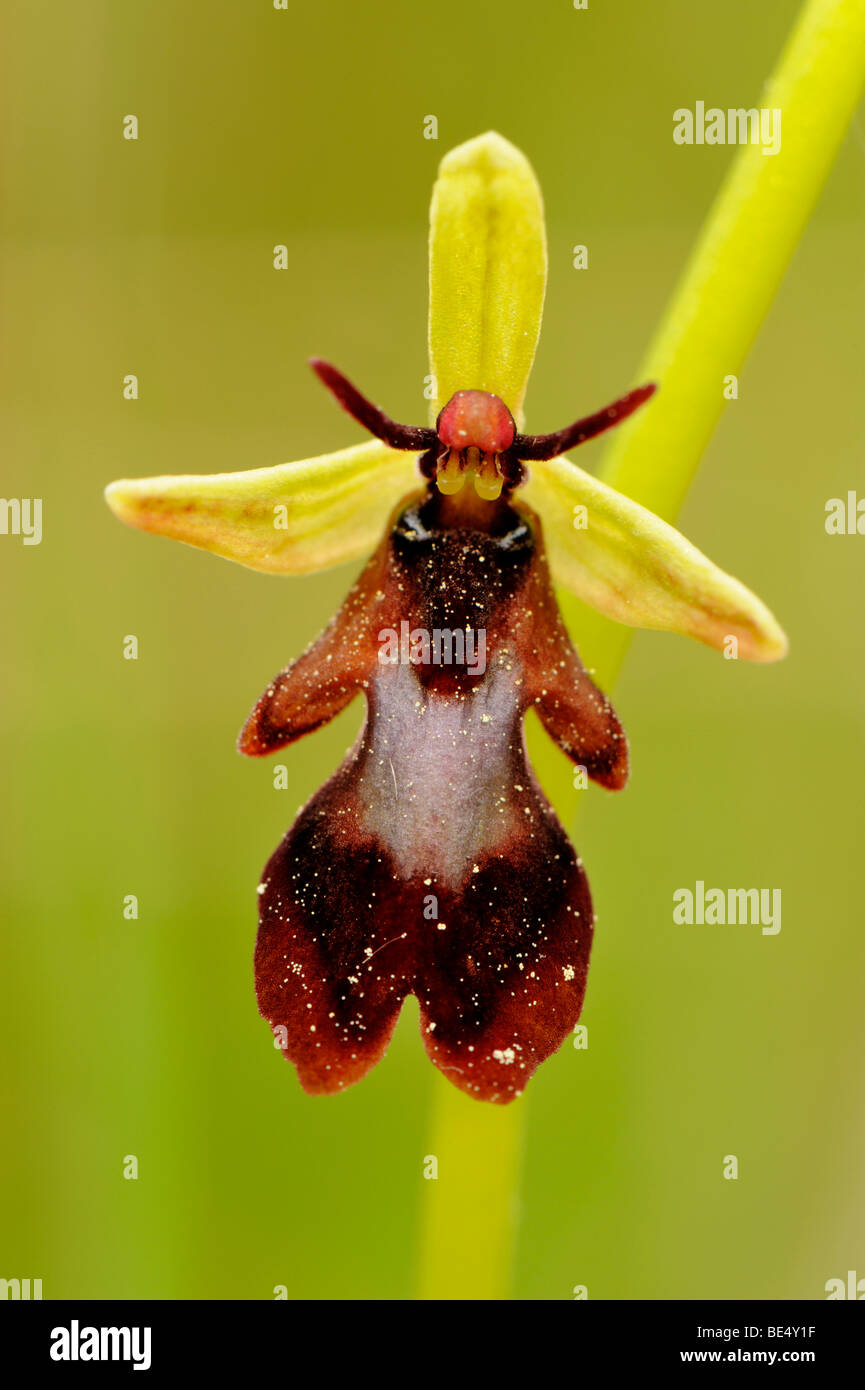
x,y
430,863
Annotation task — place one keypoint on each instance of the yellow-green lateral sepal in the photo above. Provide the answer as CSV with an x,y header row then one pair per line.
x,y
294,518
488,269
631,566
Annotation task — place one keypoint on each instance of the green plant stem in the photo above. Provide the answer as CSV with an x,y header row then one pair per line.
x,y
731,279
470,1208
468,1229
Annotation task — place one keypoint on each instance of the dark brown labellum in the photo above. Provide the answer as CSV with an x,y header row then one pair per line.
x,y
431,863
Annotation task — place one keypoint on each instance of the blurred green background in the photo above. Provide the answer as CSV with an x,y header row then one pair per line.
x,y
154,257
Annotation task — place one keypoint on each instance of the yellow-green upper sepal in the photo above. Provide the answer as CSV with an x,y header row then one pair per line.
x,y
294,518
635,568
488,269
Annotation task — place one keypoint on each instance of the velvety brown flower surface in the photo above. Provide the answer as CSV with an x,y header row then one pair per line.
x,y
431,862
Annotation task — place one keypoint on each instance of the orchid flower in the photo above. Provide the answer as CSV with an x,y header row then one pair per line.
x,y
430,862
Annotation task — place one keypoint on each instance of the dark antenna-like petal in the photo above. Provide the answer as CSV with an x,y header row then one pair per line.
x,y
549,446
414,437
